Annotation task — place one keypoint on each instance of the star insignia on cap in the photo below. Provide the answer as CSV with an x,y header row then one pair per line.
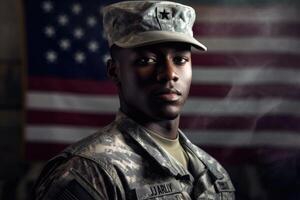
x,y
164,14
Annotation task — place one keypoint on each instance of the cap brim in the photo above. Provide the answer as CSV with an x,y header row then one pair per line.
x,y
156,37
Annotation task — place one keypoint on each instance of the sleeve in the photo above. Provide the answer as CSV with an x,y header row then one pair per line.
x,y
76,178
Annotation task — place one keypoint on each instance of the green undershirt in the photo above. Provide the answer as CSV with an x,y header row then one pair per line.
x,y
173,147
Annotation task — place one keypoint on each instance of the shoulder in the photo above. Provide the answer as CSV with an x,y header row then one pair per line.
x,y
76,175
80,166
103,137
108,146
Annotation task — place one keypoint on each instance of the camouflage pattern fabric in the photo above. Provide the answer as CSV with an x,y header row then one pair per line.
x,y
138,23
121,161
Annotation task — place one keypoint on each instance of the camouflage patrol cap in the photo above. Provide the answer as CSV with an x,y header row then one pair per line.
x,y
138,23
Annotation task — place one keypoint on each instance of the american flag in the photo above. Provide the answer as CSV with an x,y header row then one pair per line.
x,y
244,98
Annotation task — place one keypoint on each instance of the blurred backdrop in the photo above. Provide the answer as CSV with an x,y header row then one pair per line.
x,y
243,109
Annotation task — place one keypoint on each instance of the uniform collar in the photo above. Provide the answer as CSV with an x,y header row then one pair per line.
x,y
143,138
213,166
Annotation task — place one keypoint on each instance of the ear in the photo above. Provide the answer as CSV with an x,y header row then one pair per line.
x,y
113,71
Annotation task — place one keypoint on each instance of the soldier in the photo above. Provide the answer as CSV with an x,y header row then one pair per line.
x,y
142,154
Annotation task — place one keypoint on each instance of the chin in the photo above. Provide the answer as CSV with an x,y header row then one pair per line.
x,y
167,113
171,117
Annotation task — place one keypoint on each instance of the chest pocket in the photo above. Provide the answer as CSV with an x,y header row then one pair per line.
x,y
208,189
225,190
166,191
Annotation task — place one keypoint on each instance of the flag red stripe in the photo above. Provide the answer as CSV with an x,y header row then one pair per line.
x,y
50,84
50,117
249,29
267,122
42,150
241,60
246,91
253,123
225,155
248,155
38,83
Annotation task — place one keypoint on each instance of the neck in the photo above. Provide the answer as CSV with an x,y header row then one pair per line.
x,y
167,128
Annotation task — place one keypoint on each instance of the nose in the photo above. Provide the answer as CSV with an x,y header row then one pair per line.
x,y
167,72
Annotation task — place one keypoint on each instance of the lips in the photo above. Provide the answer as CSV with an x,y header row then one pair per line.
x,y
168,94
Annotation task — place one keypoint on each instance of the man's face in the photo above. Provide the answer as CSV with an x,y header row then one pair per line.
x,y
154,81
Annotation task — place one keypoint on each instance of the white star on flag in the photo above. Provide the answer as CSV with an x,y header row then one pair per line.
x,y
76,8
79,57
51,56
93,46
64,44
91,21
78,33
47,6
49,31
63,20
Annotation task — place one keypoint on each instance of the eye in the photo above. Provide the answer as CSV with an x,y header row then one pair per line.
x,y
145,61
180,60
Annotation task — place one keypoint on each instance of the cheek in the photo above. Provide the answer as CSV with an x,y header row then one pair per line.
x,y
134,82
127,80
144,75
187,77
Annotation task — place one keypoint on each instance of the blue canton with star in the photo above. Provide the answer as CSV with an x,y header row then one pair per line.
x,y
65,39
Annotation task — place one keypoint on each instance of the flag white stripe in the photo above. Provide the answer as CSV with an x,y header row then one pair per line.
x,y
233,107
57,134
253,44
270,14
207,106
61,134
244,138
72,102
251,75
245,75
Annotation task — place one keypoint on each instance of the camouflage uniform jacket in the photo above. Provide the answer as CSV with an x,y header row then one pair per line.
x,y
121,161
